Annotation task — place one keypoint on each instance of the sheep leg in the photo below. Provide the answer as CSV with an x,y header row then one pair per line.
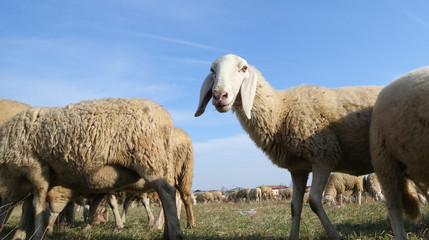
x,y
299,181
159,223
41,186
320,177
178,205
146,204
359,197
189,211
67,215
113,203
26,224
167,194
127,203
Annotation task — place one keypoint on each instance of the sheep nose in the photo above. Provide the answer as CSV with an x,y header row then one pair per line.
x,y
220,95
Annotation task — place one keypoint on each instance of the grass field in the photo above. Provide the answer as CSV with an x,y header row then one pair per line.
x,y
222,221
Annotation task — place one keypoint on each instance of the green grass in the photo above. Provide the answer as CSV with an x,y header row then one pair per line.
x,y
222,221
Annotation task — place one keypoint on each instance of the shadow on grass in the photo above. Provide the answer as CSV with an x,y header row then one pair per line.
x,y
351,230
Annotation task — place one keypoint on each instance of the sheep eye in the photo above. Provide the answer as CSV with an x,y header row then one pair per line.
x,y
212,70
244,69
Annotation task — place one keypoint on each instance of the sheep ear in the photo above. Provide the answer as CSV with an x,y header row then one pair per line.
x,y
205,94
248,89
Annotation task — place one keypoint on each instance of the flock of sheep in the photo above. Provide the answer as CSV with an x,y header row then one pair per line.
x,y
96,148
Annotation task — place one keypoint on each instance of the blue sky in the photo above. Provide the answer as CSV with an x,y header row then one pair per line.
x,y
54,53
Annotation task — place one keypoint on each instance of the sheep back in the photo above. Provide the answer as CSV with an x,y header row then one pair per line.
x,y
78,140
9,108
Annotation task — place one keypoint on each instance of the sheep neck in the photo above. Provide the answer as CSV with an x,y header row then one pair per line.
x,y
264,122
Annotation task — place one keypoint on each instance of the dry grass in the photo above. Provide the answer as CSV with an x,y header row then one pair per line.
x,y
271,221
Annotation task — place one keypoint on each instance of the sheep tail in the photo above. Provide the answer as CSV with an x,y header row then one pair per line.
x,y
410,199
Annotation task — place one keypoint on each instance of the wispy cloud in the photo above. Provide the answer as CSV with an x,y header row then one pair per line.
x,y
412,15
178,41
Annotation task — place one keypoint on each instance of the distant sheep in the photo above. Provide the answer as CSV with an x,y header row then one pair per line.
x,y
285,194
255,194
242,195
217,195
304,129
73,145
400,144
232,197
205,197
267,193
339,183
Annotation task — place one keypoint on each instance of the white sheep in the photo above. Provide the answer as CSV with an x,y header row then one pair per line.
x,y
217,195
399,139
255,194
8,109
73,145
339,183
267,193
304,129
285,194
182,163
205,197
373,188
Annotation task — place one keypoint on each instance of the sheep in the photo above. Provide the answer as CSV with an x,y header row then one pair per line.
x,y
205,197
303,129
267,193
255,194
242,194
285,194
339,183
399,144
232,197
182,163
373,188
217,195
8,109
72,146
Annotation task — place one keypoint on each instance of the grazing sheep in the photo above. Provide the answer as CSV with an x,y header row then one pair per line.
x,y
73,146
339,183
242,194
267,193
399,144
232,197
373,188
255,194
285,194
217,195
205,197
182,163
303,129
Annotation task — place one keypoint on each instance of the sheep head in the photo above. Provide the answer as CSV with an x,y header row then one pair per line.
x,y
229,76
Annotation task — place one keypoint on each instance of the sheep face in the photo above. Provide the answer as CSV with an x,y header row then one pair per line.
x,y
229,76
